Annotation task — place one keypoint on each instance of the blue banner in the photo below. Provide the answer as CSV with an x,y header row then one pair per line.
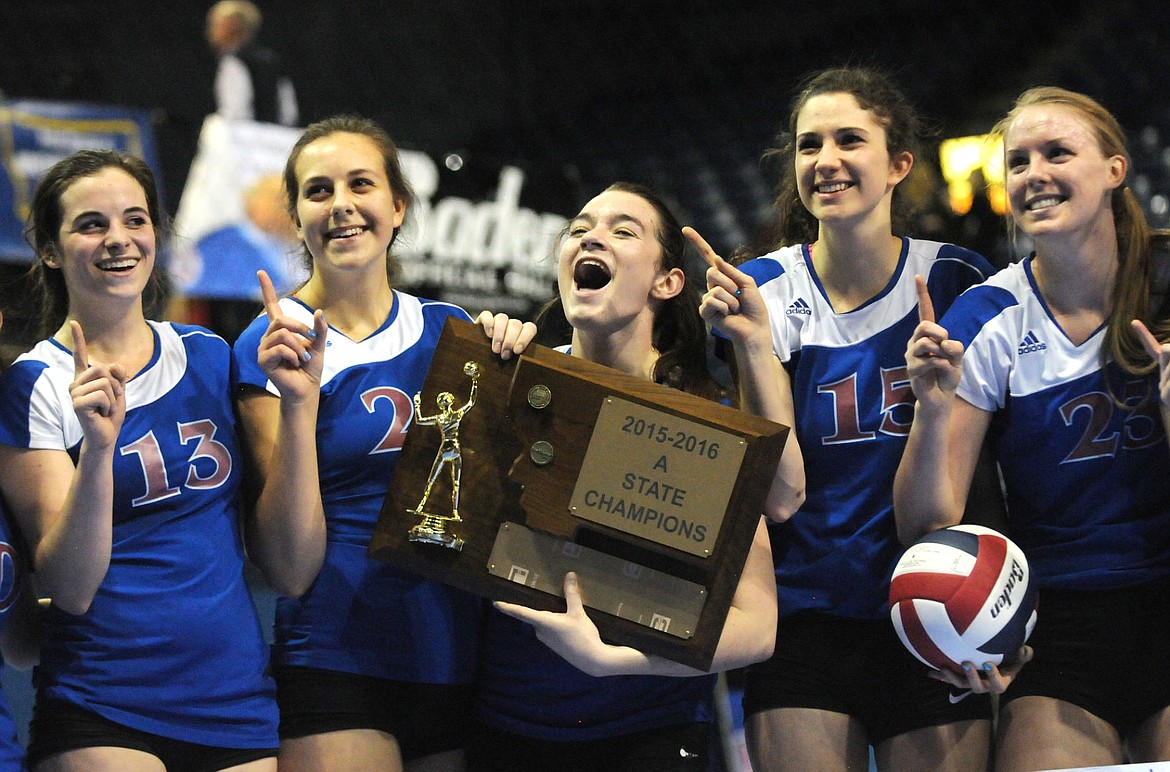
x,y
34,135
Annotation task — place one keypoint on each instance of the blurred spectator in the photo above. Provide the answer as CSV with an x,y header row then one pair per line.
x,y
250,83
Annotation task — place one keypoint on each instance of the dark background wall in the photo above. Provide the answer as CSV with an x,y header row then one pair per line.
x,y
683,94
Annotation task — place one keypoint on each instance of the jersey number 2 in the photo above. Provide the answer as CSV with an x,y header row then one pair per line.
x,y
403,412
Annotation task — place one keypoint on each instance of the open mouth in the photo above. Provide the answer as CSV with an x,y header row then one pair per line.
x,y
1042,202
831,187
119,265
344,233
590,274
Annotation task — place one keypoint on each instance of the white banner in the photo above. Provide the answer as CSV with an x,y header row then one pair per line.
x,y
490,253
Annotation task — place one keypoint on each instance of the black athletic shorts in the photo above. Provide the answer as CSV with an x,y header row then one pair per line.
x,y
677,748
858,667
423,718
59,726
1102,650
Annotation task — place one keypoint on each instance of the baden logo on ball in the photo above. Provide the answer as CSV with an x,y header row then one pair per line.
x,y
963,594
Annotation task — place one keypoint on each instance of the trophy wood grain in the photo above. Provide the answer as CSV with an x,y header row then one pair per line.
x,y
501,482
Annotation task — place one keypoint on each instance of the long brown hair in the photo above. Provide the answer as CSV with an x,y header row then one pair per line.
x,y
875,91
44,226
1131,287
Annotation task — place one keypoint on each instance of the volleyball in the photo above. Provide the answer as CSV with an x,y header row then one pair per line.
x,y
963,594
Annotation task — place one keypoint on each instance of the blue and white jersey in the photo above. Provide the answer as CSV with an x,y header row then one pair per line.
x,y
11,584
171,644
361,615
528,689
1085,477
853,408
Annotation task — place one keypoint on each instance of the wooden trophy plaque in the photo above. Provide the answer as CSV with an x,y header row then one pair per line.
x,y
523,470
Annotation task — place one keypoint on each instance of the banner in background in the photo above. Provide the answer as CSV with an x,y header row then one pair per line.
x,y
34,135
486,252
232,220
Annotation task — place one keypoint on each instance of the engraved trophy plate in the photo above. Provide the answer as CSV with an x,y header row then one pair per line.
x,y
619,587
669,484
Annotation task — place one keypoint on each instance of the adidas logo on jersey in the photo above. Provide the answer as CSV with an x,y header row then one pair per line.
x,y
1031,343
798,307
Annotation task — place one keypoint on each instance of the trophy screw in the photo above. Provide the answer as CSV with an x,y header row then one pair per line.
x,y
541,452
539,396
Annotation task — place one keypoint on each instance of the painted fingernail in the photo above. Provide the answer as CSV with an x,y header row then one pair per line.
x,y
312,333
966,668
987,666
739,292
308,356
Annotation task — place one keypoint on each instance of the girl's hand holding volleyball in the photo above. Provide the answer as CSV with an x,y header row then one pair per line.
x,y
985,678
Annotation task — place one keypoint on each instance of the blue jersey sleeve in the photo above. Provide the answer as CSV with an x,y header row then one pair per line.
x,y
16,395
245,365
977,320
971,312
953,271
763,270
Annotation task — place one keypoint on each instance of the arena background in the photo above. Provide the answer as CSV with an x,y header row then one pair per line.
x,y
683,95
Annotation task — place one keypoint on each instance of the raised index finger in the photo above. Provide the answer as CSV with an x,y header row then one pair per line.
x,y
701,244
1149,342
268,292
925,304
80,354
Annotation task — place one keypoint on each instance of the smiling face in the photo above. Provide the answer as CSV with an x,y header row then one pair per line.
x,y
610,272
346,210
844,172
1059,182
106,241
